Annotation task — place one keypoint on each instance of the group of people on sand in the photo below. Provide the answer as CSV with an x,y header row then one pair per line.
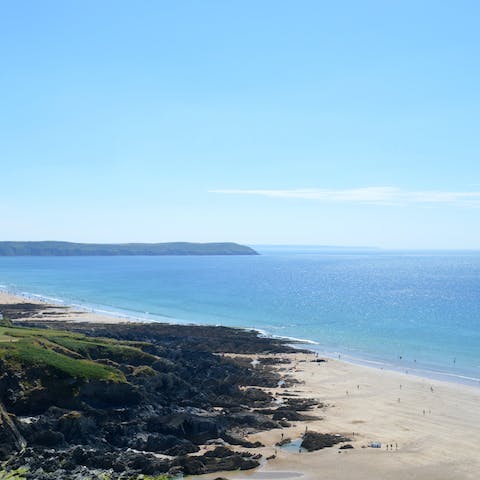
x,y
390,447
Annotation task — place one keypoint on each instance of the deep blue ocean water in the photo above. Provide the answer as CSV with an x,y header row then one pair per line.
x,y
415,311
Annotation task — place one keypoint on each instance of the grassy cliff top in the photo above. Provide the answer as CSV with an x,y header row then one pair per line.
x,y
67,354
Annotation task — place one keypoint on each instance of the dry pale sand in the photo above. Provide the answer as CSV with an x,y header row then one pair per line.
x,y
380,406
436,425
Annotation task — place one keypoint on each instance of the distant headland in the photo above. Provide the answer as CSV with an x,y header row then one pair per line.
x,y
54,248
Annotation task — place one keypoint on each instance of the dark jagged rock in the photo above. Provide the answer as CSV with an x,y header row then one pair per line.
x,y
287,413
258,397
219,452
167,444
173,393
253,419
273,360
15,311
316,441
234,439
220,459
291,416
302,404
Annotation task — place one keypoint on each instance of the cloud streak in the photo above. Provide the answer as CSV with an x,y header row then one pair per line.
x,y
383,196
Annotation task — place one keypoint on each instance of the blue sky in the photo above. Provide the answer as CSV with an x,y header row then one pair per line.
x,y
263,122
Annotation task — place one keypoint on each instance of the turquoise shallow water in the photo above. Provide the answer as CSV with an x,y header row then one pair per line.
x,y
404,310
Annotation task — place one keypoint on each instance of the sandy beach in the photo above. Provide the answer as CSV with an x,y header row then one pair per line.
x,y
61,312
432,428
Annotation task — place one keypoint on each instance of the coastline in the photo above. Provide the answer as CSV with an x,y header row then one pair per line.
x,y
433,425
433,428
100,314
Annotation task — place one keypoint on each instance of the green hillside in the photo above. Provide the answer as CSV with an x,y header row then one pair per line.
x,y
53,248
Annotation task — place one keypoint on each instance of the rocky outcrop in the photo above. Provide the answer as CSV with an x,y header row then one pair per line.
x,y
175,395
220,459
11,440
316,441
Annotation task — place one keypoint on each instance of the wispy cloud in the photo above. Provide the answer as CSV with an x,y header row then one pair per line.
x,y
368,196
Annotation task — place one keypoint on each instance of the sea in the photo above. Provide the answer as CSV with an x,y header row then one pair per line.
x,y
413,311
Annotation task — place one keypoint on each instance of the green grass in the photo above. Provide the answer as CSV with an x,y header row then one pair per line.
x,y
30,352
7,338
13,474
21,332
99,348
67,353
